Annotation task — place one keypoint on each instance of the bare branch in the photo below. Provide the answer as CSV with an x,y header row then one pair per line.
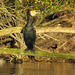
x,y
11,30
42,49
51,38
17,39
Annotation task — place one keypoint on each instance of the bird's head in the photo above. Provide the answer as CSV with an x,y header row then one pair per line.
x,y
34,12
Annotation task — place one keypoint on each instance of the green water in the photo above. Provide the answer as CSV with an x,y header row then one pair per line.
x,y
37,69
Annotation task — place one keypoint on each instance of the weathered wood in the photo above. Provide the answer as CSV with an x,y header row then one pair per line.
x,y
55,29
11,30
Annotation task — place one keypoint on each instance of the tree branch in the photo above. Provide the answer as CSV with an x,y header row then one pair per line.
x,y
11,30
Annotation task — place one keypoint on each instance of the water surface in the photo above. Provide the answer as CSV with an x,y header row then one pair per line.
x,y
37,69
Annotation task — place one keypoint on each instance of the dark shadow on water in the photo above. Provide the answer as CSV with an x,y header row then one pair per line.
x,y
37,69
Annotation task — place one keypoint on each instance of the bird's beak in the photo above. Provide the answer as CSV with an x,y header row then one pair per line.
x,y
34,12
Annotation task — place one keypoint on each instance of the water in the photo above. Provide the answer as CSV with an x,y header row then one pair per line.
x,y
37,69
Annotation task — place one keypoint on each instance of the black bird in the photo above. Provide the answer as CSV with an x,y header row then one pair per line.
x,y
29,32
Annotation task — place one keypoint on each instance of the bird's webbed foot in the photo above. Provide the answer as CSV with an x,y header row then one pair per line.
x,y
32,51
26,50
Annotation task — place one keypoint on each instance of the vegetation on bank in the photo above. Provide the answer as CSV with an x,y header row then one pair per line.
x,y
18,55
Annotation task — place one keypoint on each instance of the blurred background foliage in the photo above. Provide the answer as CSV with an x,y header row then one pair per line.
x,y
47,7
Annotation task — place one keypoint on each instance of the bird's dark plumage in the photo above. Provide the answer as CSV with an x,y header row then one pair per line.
x,y
29,32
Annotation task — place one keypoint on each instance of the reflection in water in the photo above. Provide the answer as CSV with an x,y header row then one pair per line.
x,y
37,69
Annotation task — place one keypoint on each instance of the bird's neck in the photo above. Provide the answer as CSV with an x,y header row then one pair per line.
x,y
29,21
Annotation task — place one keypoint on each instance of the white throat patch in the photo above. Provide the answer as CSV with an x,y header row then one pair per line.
x,y
33,13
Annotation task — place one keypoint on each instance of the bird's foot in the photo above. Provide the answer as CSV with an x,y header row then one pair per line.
x,y
26,50
32,51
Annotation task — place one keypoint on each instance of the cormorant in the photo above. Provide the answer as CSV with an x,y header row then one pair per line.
x,y
29,32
